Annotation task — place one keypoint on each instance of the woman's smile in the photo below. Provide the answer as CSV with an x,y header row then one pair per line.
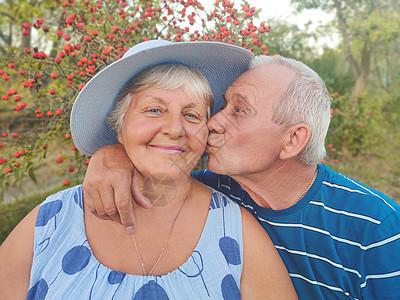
x,y
168,148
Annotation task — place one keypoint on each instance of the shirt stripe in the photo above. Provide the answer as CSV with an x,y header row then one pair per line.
x,y
333,288
340,266
380,276
346,213
371,192
342,187
336,238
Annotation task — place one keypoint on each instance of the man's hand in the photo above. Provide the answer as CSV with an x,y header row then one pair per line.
x,y
111,184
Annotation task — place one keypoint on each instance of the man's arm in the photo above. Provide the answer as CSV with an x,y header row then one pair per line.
x,y
110,186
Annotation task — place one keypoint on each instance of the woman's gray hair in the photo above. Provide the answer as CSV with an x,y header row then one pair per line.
x,y
167,76
306,100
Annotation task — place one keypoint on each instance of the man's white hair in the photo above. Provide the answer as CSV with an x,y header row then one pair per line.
x,y
306,100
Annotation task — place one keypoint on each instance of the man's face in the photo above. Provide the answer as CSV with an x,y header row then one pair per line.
x,y
244,140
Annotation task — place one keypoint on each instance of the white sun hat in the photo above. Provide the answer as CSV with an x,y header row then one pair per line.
x,y
220,63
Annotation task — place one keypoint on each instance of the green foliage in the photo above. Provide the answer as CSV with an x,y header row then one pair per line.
x,y
358,130
12,213
334,70
288,40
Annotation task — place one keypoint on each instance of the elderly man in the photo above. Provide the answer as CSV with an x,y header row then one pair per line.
x,y
338,238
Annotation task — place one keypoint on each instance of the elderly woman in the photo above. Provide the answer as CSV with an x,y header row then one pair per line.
x,y
193,243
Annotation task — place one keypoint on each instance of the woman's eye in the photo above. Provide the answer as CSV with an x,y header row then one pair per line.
x,y
238,109
191,116
154,111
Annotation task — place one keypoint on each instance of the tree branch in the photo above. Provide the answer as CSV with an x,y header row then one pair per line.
x,y
354,8
346,38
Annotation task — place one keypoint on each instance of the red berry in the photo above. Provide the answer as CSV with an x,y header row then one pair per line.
x,y
4,134
66,182
71,169
67,136
8,170
59,112
60,159
50,113
14,135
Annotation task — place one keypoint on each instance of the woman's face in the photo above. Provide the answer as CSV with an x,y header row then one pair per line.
x,y
164,132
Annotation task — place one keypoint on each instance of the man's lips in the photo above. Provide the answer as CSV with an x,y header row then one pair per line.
x,y
169,148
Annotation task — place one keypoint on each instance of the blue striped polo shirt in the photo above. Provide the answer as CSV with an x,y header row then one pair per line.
x,y
341,241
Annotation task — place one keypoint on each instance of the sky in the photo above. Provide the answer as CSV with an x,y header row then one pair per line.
x,y
282,9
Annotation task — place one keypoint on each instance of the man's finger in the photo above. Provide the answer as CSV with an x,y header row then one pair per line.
x,y
137,190
92,198
107,200
123,202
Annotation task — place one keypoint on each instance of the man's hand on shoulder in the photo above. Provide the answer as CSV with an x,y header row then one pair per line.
x,y
108,186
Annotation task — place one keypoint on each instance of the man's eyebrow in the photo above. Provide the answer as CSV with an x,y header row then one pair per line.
x,y
243,100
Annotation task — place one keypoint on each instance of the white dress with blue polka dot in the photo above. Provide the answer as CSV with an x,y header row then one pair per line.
x,y
64,266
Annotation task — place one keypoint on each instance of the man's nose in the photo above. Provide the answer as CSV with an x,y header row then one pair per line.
x,y
215,123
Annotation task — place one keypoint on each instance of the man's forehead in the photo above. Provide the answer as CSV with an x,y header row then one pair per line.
x,y
264,78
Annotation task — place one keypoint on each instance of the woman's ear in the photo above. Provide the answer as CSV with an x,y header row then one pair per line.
x,y
119,138
297,137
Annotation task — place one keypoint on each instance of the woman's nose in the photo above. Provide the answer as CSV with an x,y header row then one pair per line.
x,y
173,126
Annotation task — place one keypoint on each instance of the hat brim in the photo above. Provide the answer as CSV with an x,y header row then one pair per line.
x,y
220,63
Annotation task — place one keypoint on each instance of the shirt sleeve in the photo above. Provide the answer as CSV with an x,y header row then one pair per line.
x,y
213,180
381,278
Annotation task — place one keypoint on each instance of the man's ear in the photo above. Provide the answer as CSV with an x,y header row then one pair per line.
x,y
297,137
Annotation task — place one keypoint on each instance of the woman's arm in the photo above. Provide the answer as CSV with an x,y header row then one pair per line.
x,y
264,274
16,255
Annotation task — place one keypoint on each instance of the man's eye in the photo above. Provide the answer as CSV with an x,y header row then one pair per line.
x,y
238,109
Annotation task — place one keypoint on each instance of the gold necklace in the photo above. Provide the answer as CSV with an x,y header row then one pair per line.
x,y
308,187
165,244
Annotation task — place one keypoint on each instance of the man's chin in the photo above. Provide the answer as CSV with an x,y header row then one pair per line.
x,y
214,164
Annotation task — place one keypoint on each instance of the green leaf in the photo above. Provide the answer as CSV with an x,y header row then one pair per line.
x,y
32,175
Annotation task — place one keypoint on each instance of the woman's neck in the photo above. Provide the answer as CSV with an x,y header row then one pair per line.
x,y
163,190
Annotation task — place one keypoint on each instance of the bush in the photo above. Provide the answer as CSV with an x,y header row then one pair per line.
x,y
78,39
